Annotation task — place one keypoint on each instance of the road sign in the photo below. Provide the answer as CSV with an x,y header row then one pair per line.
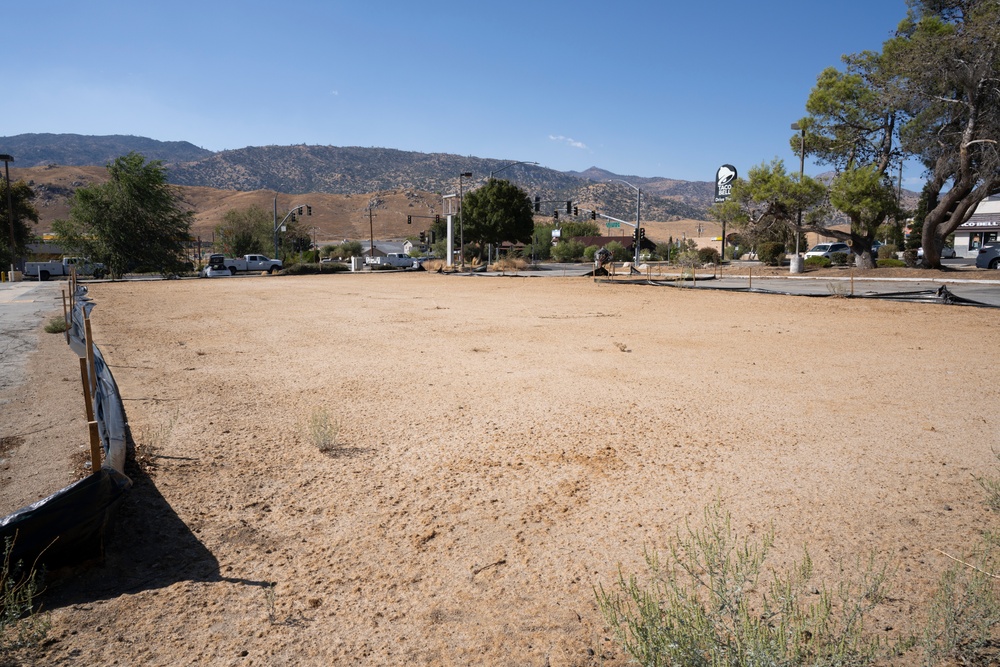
x,y
612,225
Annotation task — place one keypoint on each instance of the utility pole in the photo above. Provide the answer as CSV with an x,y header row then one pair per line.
x,y
371,232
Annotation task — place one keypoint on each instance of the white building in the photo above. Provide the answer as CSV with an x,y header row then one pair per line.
x,y
981,229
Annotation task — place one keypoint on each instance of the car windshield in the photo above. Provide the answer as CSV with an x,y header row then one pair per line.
x,y
822,247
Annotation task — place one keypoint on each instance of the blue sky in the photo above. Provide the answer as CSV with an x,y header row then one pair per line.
x,y
670,89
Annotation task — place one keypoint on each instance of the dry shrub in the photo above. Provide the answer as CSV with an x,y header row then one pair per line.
x,y
510,264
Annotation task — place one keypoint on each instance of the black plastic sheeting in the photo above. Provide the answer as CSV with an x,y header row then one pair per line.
x,y
940,295
68,527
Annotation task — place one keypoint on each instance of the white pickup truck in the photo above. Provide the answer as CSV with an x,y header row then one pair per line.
x,y
63,267
397,259
255,263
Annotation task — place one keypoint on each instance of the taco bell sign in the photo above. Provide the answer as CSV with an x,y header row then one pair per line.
x,y
724,178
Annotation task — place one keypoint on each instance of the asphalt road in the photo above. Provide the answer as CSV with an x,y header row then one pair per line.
x,y
23,306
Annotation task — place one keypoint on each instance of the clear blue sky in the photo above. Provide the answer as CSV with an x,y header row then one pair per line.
x,y
671,89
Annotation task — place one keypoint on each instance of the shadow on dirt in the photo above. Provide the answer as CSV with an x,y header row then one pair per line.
x,y
149,548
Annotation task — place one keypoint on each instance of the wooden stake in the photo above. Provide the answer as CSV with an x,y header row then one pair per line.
x,y
852,281
88,338
88,399
95,447
750,271
65,316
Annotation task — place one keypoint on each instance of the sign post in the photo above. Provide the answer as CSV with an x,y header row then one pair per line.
x,y
724,178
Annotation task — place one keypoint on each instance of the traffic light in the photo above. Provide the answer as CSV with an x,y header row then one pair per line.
x,y
576,211
309,209
538,204
409,220
569,207
635,235
293,216
555,214
423,237
437,219
593,215
299,210
642,233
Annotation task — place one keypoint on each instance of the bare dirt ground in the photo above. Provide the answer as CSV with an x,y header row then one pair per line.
x,y
505,444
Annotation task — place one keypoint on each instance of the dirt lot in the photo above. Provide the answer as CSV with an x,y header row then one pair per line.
x,y
504,445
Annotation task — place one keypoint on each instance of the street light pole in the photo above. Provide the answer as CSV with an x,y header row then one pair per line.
x,y
507,166
638,203
461,217
277,224
10,215
796,267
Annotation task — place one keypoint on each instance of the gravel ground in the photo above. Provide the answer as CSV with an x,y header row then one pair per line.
x,y
504,446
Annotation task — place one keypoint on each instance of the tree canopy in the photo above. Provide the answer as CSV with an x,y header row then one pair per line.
x,y
766,204
931,93
24,212
245,231
133,222
496,213
947,54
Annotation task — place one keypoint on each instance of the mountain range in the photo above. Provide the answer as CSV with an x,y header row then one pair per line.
x,y
301,169
341,183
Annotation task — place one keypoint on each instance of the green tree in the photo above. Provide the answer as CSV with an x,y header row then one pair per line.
x,y
497,212
574,228
853,124
765,206
134,221
947,56
245,231
23,212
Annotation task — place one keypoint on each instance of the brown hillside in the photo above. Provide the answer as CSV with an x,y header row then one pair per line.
x,y
335,217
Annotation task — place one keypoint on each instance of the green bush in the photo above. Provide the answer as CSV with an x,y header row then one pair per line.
x,y
708,255
589,252
712,602
771,253
567,251
838,258
56,324
618,252
818,262
890,263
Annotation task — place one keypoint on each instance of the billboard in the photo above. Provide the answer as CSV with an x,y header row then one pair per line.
x,y
724,178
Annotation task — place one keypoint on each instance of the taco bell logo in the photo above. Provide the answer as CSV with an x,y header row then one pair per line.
x,y
724,182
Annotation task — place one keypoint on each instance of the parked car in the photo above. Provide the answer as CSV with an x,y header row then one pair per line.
x,y
988,257
828,249
947,252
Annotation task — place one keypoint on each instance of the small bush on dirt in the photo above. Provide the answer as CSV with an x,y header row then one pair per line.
x,y
887,251
323,431
57,324
890,263
818,262
838,258
964,615
771,253
510,264
708,255
19,627
710,603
